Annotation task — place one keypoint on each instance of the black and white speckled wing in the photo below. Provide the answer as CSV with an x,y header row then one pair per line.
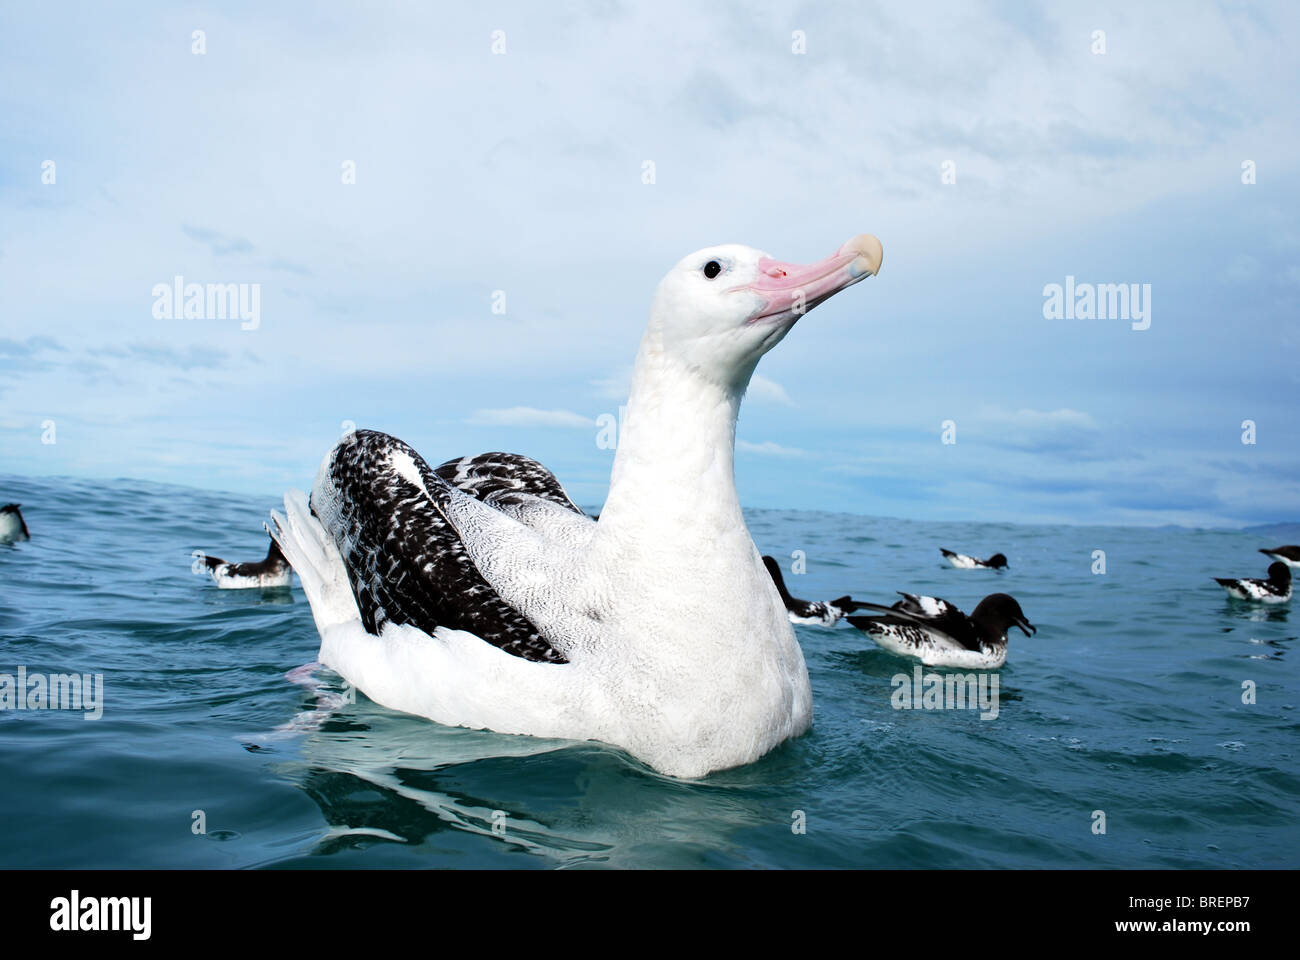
x,y
939,618
933,609
505,478
523,489
905,635
405,562
1250,589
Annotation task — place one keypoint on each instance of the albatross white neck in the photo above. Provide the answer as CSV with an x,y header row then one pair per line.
x,y
678,435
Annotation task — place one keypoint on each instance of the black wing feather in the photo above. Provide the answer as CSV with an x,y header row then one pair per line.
x,y
406,563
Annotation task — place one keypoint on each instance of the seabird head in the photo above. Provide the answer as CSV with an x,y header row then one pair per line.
x,y
1279,573
999,612
997,560
720,309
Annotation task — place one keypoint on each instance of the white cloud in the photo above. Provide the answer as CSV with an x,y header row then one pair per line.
x,y
769,449
529,417
1043,419
1060,432
763,389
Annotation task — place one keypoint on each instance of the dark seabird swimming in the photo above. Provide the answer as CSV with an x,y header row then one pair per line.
x,y
13,528
827,613
1276,589
1289,555
939,634
273,571
963,562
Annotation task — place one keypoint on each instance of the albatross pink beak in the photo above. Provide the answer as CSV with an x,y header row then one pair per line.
x,y
794,289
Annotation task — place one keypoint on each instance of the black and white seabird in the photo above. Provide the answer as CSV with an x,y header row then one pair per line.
x,y
272,572
477,594
825,613
940,635
1276,589
13,528
963,562
1289,555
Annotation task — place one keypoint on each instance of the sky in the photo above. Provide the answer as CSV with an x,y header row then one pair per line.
x,y
502,156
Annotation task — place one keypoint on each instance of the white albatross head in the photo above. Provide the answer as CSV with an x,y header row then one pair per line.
x,y
721,308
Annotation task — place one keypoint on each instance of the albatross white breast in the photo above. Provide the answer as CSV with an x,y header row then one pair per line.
x,y
477,594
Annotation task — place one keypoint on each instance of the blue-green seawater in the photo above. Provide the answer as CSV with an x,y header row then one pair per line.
x,y
1129,701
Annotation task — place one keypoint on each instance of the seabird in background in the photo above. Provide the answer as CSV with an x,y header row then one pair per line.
x,y
1276,589
963,562
940,635
272,572
824,613
1288,555
13,528
477,594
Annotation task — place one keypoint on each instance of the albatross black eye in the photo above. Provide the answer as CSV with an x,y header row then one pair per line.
x,y
712,269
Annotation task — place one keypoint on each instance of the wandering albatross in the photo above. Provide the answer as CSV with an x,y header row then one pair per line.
x,y
477,594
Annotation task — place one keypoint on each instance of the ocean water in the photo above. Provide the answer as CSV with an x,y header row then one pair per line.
x,y
1129,701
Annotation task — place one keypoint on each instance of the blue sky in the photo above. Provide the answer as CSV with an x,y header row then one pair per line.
x,y
522,172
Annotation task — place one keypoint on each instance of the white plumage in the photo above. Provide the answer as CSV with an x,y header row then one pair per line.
x,y
225,580
934,649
